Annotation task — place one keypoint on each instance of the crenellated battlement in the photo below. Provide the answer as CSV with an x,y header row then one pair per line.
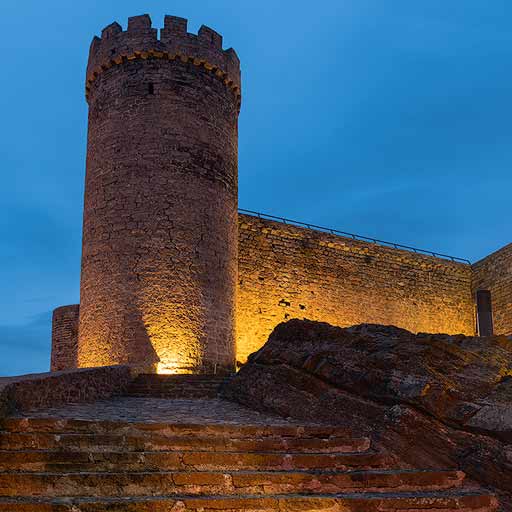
x,y
140,41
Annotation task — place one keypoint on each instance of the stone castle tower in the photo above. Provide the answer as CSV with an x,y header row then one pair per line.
x,y
160,239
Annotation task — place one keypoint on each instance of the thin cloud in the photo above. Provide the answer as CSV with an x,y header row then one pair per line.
x,y
26,348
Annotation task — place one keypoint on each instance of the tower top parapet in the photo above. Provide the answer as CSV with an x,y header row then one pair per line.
x,y
141,41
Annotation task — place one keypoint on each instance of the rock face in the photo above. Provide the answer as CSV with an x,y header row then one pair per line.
x,y
430,400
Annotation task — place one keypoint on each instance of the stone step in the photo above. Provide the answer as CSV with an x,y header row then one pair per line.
x,y
180,377
141,441
173,394
459,501
15,484
66,425
73,461
162,377
175,386
175,382
170,385
179,385
176,393
198,383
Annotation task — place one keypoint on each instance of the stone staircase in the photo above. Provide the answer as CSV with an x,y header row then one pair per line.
x,y
176,386
146,454
85,466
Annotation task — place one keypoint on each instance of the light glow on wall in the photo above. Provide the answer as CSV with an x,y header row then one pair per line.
x,y
173,327
167,368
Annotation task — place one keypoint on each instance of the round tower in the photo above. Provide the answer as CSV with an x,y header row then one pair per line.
x,y
159,261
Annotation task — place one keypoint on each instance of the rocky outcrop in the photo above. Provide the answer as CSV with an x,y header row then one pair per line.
x,y
429,400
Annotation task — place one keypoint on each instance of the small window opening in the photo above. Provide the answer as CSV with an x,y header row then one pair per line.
x,y
151,88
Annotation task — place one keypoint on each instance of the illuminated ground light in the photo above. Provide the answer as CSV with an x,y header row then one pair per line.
x,y
168,368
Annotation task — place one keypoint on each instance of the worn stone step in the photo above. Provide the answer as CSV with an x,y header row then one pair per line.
x,y
177,380
180,377
157,442
66,425
183,377
459,501
171,382
223,483
171,386
175,386
173,394
173,389
73,461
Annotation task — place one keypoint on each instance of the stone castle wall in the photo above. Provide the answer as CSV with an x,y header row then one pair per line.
x,y
494,273
291,272
65,338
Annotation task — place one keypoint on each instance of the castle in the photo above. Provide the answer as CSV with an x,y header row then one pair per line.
x,y
174,279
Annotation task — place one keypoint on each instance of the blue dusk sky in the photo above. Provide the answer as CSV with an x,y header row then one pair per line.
x,y
391,119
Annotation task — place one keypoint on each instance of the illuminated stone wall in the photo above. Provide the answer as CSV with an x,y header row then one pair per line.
x,y
494,273
160,245
65,338
290,272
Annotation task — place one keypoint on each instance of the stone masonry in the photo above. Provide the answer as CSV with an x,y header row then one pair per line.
x,y
65,338
287,272
290,272
160,216
494,273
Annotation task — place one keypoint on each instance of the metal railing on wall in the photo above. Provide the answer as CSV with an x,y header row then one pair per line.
x,y
353,236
